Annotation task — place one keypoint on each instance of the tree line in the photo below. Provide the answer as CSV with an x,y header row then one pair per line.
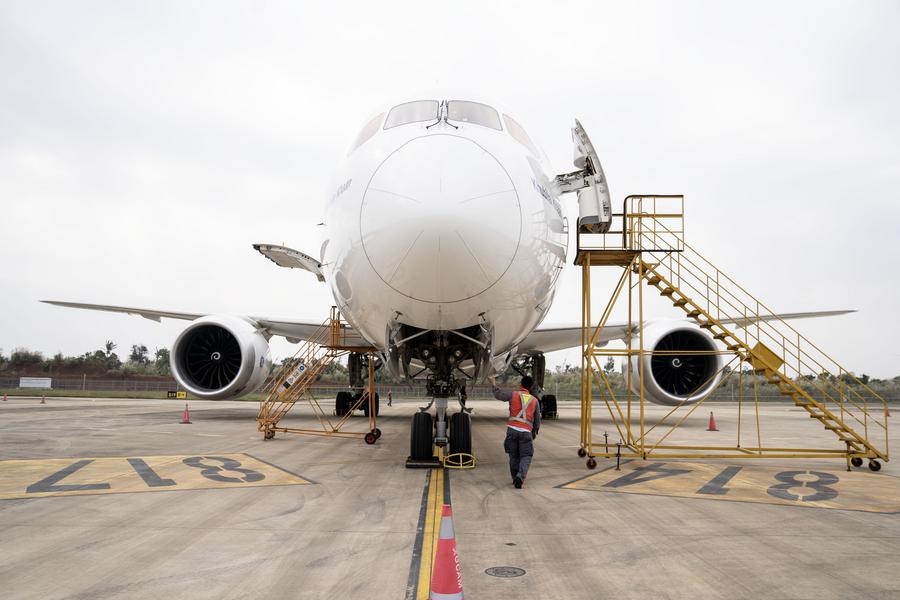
x,y
103,360
140,361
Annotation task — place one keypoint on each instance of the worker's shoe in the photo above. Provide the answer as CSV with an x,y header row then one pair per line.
x,y
518,483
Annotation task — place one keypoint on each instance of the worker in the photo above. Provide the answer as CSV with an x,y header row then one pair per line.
x,y
522,427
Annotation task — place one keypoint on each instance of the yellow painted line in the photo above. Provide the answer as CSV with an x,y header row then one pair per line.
x,y
432,533
741,482
39,478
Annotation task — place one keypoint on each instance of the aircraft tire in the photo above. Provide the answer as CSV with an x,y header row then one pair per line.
x,y
548,407
421,436
461,433
365,406
342,403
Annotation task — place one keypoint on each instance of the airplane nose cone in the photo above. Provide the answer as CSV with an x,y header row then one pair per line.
x,y
440,219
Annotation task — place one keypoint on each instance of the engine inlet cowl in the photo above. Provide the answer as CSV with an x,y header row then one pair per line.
x,y
683,366
219,357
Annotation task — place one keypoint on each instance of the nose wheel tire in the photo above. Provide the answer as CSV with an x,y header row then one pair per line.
x,y
460,433
421,436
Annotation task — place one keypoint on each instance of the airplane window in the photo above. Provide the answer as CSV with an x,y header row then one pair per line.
x,y
473,112
519,134
368,130
412,112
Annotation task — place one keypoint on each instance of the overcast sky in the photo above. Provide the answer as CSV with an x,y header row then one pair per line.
x,y
145,146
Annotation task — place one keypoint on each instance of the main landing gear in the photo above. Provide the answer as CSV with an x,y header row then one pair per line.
x,y
345,402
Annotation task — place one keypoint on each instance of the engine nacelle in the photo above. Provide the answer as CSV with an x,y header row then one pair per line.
x,y
687,372
219,357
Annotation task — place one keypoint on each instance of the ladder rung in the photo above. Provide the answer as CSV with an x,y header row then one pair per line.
x,y
654,280
667,291
707,324
720,336
733,347
680,302
694,314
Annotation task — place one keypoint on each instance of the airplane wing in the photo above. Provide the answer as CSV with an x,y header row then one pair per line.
x,y
560,337
294,331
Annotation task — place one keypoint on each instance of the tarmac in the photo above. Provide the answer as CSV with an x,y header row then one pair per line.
x,y
115,498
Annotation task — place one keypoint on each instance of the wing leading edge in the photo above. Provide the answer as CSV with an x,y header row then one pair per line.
x,y
293,331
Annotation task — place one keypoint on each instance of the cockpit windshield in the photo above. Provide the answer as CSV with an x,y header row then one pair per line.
x,y
473,112
412,112
519,134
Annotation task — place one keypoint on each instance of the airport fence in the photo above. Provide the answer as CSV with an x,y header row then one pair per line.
x,y
325,391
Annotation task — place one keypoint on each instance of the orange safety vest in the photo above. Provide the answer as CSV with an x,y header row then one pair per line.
x,y
521,410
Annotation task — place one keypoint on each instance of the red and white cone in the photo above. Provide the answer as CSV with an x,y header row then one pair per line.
x,y
712,423
186,417
446,581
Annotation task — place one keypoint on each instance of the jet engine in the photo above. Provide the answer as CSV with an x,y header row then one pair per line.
x,y
684,366
219,357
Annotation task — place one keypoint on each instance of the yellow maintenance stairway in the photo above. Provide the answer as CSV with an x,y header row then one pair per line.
x,y
646,240
292,383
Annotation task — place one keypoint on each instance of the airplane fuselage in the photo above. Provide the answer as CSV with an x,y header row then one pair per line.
x,y
444,225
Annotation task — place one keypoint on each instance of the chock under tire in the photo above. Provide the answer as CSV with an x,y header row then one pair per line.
x,y
459,460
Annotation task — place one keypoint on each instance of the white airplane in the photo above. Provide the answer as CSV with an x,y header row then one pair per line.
x,y
444,239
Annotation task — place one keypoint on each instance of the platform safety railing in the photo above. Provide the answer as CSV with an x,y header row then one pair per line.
x,y
803,364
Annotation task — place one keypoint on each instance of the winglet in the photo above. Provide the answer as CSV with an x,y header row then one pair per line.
x,y
290,258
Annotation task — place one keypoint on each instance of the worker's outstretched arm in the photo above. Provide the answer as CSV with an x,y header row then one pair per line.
x,y
499,394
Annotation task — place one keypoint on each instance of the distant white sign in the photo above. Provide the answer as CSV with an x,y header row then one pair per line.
x,y
35,382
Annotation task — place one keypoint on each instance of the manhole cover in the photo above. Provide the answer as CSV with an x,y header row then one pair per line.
x,y
505,572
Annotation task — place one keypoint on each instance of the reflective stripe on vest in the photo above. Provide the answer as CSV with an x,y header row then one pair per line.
x,y
521,410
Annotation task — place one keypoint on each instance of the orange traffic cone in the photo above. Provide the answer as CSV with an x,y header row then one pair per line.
x,y
43,399
186,417
712,423
446,581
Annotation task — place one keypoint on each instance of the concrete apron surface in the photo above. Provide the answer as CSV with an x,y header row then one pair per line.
x,y
116,499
